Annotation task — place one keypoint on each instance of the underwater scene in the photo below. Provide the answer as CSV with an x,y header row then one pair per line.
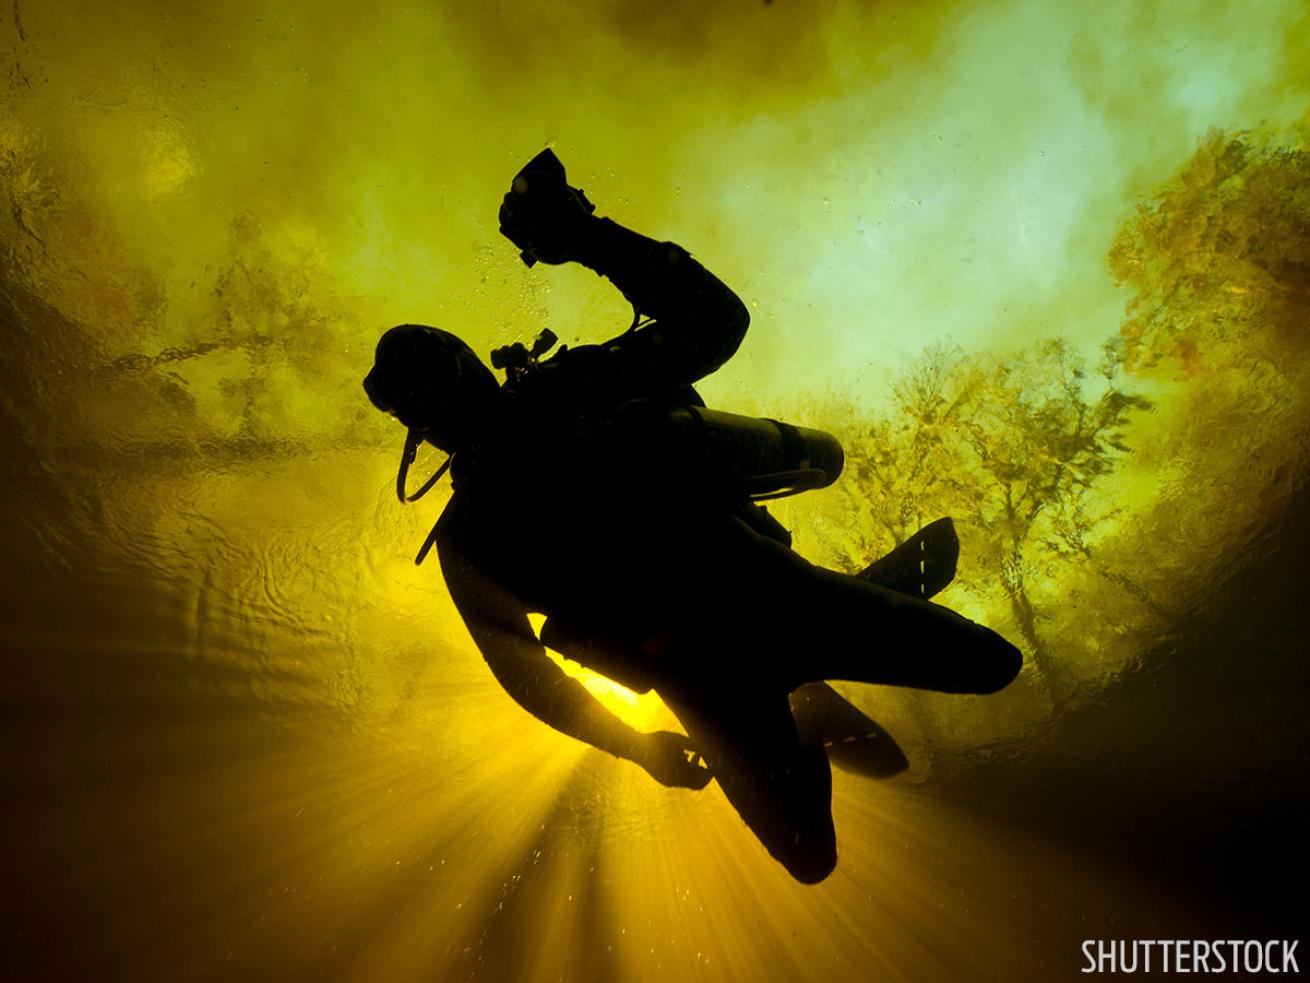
x,y
1041,268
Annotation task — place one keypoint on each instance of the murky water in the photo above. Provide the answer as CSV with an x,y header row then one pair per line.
x,y
246,738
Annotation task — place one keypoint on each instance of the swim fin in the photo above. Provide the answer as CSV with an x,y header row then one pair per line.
x,y
922,565
854,741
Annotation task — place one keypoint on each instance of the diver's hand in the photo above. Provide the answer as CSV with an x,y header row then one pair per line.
x,y
547,219
673,761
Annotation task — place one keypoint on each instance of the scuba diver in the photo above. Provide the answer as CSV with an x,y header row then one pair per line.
x,y
595,488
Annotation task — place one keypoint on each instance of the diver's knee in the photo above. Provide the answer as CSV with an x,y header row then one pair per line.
x,y
808,847
813,865
1000,667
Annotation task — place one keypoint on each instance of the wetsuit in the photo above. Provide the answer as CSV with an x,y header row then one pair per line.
x,y
558,508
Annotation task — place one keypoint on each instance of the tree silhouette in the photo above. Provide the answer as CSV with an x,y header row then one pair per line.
x,y
1018,449
1011,449
1220,257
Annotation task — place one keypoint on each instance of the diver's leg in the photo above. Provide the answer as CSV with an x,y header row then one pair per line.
x,y
848,628
804,623
782,791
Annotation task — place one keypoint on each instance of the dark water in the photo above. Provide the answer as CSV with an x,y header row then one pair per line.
x,y
176,808
243,738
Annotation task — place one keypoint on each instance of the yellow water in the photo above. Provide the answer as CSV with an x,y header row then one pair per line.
x,y
248,737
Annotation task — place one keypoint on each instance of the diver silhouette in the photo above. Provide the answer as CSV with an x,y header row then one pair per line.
x,y
595,488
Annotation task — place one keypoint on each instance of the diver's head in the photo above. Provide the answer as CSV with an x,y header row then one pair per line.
x,y
433,383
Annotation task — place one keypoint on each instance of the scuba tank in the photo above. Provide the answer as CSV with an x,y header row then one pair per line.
x,y
756,458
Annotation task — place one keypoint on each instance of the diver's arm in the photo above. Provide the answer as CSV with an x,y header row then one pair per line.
x,y
500,629
698,321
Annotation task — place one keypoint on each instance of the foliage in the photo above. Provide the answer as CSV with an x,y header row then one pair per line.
x,y
1011,448
1022,450
1220,257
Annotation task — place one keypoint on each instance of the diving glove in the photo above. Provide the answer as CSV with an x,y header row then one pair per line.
x,y
547,219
